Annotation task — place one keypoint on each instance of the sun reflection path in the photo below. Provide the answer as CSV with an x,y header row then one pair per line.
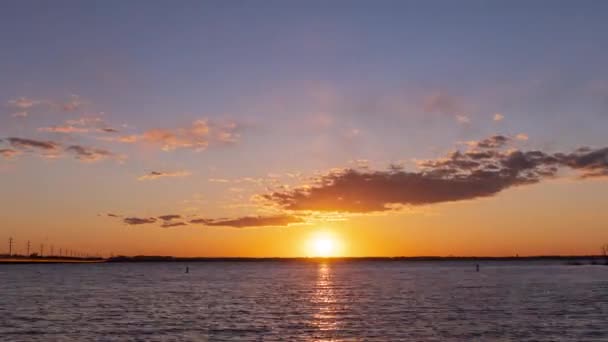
x,y
324,299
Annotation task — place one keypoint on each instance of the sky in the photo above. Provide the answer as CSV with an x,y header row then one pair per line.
x,y
266,128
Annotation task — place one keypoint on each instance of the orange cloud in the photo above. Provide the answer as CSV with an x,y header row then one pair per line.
x,y
250,221
198,136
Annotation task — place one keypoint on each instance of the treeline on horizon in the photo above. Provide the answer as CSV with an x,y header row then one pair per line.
x,y
593,259
48,257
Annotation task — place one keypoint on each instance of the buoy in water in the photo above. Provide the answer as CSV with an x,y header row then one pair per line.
x,y
187,269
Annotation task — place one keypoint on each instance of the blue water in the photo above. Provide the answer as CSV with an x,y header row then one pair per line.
x,y
304,301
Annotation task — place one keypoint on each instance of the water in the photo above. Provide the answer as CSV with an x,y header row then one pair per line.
x,y
304,301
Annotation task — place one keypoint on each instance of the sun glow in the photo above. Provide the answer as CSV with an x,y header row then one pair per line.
x,y
324,245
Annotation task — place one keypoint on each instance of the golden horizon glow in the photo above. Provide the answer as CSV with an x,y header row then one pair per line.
x,y
324,245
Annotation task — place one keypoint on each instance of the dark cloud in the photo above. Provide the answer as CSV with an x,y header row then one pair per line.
x,y
153,175
496,141
90,154
138,220
169,217
250,221
28,144
169,221
591,163
480,172
168,224
112,215
108,130
51,149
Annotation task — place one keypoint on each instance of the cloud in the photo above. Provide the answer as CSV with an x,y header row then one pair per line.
x,y
169,217
84,124
89,154
590,162
195,137
218,180
28,144
173,224
21,114
51,149
198,136
441,102
250,221
63,129
522,137
482,171
153,175
8,153
498,117
113,215
23,103
173,220
463,119
74,103
108,130
496,141
138,220
126,139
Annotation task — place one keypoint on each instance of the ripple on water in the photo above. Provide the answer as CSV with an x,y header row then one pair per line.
x,y
290,301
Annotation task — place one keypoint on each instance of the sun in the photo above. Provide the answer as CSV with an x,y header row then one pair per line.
x,y
324,245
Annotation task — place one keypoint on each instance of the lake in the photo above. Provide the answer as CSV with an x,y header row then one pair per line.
x,y
304,301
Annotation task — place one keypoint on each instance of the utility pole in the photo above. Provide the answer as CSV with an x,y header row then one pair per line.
x,y
10,246
28,248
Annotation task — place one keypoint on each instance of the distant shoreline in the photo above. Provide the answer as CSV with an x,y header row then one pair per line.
x,y
571,260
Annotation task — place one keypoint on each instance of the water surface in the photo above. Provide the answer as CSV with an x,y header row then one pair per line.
x,y
304,301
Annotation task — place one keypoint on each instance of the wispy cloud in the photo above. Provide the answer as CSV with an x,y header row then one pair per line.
x,y
170,217
29,144
463,119
134,221
198,136
81,125
90,154
63,129
8,152
153,175
251,221
23,103
173,224
73,103
52,149
20,114
498,117
174,220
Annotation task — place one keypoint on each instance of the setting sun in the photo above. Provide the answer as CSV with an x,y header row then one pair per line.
x,y
324,245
